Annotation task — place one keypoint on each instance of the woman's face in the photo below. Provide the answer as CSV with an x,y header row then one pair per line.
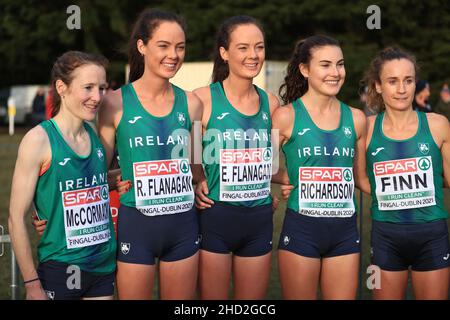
x,y
397,84
246,52
165,50
85,93
325,71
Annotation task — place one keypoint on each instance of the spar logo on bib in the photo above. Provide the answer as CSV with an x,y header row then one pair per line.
x,y
85,196
184,166
325,174
348,176
245,174
245,155
267,154
326,191
152,168
163,186
86,216
404,183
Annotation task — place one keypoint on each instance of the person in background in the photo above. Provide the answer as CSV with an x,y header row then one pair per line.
x,y
48,104
443,106
421,96
38,107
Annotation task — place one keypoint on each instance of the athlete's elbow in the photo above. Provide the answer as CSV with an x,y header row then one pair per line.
x,y
15,221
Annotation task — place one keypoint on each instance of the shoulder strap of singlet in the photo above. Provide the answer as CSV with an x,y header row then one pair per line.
x,y
127,98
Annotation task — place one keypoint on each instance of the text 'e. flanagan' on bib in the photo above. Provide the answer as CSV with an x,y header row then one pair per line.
x,y
245,174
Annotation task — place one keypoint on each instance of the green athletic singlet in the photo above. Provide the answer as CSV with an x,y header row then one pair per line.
x,y
153,154
73,196
405,176
237,153
320,165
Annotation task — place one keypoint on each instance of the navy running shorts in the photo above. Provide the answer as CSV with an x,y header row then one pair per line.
x,y
319,237
62,281
243,231
424,246
141,238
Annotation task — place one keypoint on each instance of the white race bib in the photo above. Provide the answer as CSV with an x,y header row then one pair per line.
x,y
405,183
163,186
326,191
245,174
86,216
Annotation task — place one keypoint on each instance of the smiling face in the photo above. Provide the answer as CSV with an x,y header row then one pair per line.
x,y
85,92
165,50
397,84
246,52
325,71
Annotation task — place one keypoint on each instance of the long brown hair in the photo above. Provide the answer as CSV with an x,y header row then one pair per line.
x,y
295,84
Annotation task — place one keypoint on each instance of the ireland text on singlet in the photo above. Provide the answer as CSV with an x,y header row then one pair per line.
x,y
73,196
320,165
153,154
237,153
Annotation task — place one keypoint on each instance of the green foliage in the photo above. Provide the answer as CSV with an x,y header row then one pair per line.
x,y
34,33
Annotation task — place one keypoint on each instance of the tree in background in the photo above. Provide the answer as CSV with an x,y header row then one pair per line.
x,y
34,33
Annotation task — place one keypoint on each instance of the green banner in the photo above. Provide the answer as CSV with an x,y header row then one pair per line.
x,y
246,187
90,230
163,201
407,195
327,205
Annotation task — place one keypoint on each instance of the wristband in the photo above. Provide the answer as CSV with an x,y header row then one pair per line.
x,y
32,280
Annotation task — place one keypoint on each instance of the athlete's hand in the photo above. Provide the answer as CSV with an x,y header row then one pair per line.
x,y
275,202
39,225
286,190
122,186
201,199
35,291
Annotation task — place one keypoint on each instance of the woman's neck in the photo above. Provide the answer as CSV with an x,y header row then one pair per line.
x,y
320,102
400,119
69,125
238,88
152,86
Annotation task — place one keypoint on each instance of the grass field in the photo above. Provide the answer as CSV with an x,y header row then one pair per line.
x,y
8,153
